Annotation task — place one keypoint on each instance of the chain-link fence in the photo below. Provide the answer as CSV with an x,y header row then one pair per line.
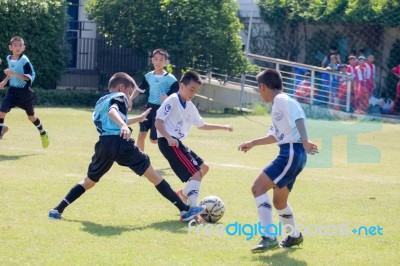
x,y
290,33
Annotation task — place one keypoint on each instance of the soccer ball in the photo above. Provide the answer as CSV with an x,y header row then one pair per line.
x,y
215,209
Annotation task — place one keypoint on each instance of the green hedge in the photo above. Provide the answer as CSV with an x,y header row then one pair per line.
x,y
72,98
42,24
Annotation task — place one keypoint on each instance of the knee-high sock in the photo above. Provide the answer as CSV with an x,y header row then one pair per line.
x,y
165,189
39,126
264,210
72,195
192,191
286,217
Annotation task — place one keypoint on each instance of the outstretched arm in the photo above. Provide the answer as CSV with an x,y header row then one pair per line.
x,y
310,147
216,127
246,146
139,118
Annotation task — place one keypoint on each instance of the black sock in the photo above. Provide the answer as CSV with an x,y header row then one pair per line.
x,y
72,195
165,189
1,124
39,126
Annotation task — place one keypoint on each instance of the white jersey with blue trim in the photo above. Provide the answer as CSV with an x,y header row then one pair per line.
x,y
21,66
285,111
178,116
104,125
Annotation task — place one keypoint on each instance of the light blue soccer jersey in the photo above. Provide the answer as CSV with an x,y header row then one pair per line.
x,y
104,125
21,66
158,85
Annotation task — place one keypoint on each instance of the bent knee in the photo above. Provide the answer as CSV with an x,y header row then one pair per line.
x,y
279,204
154,141
204,169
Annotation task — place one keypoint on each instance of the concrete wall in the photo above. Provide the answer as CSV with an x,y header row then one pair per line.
x,y
216,96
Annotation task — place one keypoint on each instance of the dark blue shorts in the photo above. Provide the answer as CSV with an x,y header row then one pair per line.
x,y
287,166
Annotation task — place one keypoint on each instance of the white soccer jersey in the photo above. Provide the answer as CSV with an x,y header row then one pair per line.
x,y
178,116
285,111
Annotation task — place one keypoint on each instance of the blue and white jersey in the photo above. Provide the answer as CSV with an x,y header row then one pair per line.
x,y
285,111
158,85
178,116
21,66
104,125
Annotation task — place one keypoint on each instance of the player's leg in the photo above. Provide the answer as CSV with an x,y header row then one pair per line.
x,y
73,194
286,217
139,162
43,133
141,139
5,107
26,102
104,155
3,127
261,185
164,188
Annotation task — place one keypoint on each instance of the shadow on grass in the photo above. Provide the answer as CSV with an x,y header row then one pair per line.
x,y
280,257
173,226
13,157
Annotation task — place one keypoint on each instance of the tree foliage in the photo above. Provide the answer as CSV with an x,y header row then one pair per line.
x,y
377,12
192,31
42,24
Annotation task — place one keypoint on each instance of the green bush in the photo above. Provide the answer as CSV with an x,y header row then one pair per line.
x,y
72,98
42,24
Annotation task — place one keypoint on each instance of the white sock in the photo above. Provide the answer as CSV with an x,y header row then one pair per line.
x,y
286,217
192,191
264,210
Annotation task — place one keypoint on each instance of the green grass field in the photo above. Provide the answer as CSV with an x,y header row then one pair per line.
x,y
354,181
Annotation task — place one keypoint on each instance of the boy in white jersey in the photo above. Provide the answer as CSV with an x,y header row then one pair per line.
x,y
173,121
116,145
289,131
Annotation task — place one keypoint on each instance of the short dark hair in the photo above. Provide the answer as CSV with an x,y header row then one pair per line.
x,y
15,39
161,52
121,78
191,76
270,78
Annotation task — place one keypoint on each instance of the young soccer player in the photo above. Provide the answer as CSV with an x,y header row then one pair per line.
x,y
160,85
289,131
116,145
20,76
174,119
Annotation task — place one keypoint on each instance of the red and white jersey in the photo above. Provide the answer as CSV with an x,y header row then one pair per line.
x,y
371,70
351,70
285,111
178,116
361,73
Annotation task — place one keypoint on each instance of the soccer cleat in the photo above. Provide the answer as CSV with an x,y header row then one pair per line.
x,y
3,131
186,216
45,140
265,244
54,214
291,241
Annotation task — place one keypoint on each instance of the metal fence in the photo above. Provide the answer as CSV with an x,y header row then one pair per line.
x,y
93,61
313,43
